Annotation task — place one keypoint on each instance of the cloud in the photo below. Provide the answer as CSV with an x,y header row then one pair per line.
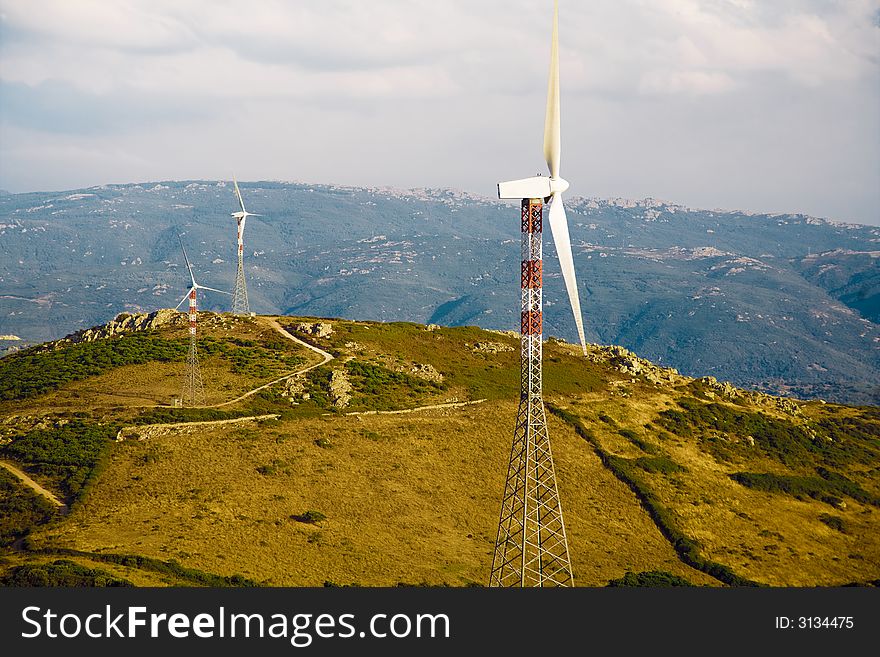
x,y
59,107
346,90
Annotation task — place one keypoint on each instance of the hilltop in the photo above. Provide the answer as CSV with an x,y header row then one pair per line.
x,y
783,303
384,464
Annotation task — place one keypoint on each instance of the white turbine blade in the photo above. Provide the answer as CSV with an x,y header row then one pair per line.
x,y
185,297
203,287
238,193
552,137
559,227
186,259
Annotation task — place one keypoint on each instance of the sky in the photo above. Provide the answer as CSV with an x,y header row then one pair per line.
x,y
760,105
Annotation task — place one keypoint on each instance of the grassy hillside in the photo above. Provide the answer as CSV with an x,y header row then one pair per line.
x,y
664,480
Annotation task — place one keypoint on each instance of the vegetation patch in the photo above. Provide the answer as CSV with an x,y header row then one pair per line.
x,y
309,517
67,456
688,549
376,387
35,371
654,579
835,522
171,568
20,509
60,573
828,487
831,443
641,443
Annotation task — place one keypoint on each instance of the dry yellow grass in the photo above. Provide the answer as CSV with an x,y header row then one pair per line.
x,y
408,499
415,498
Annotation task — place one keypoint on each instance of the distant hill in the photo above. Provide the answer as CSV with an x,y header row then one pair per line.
x,y
783,303
385,465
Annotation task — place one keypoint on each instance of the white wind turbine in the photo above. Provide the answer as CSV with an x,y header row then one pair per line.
x,y
193,387
240,305
553,187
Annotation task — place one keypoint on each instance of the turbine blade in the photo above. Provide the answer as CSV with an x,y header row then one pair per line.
x,y
203,287
552,137
186,259
238,193
559,228
185,297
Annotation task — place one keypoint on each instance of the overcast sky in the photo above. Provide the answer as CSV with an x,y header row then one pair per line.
x,y
766,105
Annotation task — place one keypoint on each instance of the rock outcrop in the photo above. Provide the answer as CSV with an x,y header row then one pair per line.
x,y
626,362
316,329
296,390
491,348
125,323
340,389
426,372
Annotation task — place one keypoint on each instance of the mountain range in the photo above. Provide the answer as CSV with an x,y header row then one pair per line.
x,y
784,303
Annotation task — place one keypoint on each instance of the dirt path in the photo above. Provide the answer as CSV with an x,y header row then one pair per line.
x,y
419,408
275,325
33,485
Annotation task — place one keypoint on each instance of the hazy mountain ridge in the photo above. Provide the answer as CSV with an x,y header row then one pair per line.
x,y
731,294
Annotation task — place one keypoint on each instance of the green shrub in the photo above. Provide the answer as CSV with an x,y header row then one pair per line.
x,y
60,573
162,567
650,579
827,487
67,455
835,522
21,509
838,442
35,371
309,517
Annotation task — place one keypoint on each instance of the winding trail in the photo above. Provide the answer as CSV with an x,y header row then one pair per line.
x,y
419,408
275,325
33,485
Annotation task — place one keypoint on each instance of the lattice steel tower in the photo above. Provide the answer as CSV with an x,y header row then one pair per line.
x,y
240,304
193,388
531,548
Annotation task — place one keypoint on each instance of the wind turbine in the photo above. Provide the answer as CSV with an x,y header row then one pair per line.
x,y
541,187
193,387
240,305
531,548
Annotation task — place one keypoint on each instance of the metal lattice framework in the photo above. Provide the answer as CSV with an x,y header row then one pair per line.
x,y
531,548
240,304
193,389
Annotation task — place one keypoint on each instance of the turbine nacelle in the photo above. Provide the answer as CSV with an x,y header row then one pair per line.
x,y
536,187
553,187
245,215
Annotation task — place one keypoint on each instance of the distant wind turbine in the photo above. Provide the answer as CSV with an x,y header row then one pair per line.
x,y
240,305
193,387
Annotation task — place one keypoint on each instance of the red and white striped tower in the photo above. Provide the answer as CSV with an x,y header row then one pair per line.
x,y
193,388
531,548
